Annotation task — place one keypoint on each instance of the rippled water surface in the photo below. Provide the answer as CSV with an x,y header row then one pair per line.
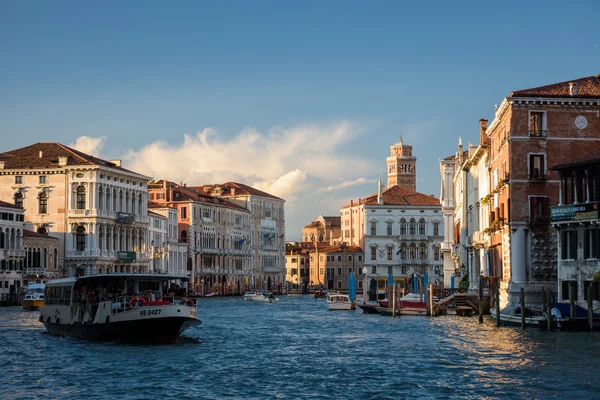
x,y
297,349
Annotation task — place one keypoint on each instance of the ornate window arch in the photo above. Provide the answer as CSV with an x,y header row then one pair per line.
x,y
403,251
184,236
403,226
43,203
312,237
18,199
413,251
80,204
422,226
80,236
412,227
100,198
422,251
321,237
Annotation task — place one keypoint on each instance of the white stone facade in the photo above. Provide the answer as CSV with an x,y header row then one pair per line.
x,y
12,254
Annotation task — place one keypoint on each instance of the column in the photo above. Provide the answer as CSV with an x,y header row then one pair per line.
x,y
574,177
519,261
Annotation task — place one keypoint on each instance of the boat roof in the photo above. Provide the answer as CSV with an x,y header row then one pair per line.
x,y
35,286
153,277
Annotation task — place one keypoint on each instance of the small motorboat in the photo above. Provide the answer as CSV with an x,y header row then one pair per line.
x,y
414,304
534,316
34,298
271,298
321,294
254,296
369,308
337,302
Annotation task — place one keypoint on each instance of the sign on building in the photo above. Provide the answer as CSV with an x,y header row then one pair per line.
x,y
575,212
125,218
127,257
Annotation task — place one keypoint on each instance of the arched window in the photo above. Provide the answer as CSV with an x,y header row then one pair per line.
x,y
412,227
100,198
19,199
184,236
403,226
413,251
422,226
403,251
80,198
121,201
312,237
43,203
114,202
423,251
45,258
321,237
436,253
140,204
55,259
80,238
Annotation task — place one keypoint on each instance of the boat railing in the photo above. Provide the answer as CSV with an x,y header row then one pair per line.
x,y
123,303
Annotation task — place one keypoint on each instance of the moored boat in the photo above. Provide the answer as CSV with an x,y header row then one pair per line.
x,y
34,298
369,308
413,304
337,302
111,307
534,316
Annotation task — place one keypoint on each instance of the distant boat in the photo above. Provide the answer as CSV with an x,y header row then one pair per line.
x,y
34,298
321,294
338,302
271,298
254,296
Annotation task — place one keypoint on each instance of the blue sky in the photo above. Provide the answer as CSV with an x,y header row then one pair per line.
x,y
300,99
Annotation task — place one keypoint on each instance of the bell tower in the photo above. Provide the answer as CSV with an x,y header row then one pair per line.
x,y
402,166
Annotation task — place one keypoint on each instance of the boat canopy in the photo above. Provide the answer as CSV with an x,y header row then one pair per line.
x,y
137,277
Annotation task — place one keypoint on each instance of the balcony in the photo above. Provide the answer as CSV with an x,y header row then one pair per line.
x,y
479,239
14,253
537,177
538,133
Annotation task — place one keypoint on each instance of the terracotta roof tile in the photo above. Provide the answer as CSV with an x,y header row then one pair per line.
x,y
249,190
334,221
399,196
29,157
586,87
28,233
593,157
9,205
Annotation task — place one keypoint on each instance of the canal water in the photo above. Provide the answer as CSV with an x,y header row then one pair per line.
x,y
296,349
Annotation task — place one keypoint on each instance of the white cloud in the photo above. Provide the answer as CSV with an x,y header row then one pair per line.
x,y
302,164
346,184
89,145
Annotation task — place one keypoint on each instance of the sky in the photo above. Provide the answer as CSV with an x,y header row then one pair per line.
x,y
299,99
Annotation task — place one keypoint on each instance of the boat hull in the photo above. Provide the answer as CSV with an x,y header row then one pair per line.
x,y
369,308
149,331
33,304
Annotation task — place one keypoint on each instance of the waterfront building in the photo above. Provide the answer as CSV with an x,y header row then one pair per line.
x,y
168,254
330,266
12,254
41,257
577,221
322,230
401,231
267,227
297,267
216,233
465,196
96,208
532,129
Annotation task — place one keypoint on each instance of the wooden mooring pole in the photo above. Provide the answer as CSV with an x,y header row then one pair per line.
x,y
543,298
522,300
431,309
549,308
498,304
480,299
590,307
572,300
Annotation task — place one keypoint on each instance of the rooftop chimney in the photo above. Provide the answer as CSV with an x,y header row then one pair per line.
x,y
483,139
572,89
233,191
116,162
41,154
1,164
63,160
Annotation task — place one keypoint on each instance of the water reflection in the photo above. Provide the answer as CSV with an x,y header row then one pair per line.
x,y
298,349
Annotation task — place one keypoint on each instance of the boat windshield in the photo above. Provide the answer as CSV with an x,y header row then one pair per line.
x,y
36,290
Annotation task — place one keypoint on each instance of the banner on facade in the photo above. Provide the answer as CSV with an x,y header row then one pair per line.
x,y
575,212
127,257
125,218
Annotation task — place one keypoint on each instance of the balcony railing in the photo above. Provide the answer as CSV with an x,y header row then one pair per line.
x,y
538,177
14,253
538,133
